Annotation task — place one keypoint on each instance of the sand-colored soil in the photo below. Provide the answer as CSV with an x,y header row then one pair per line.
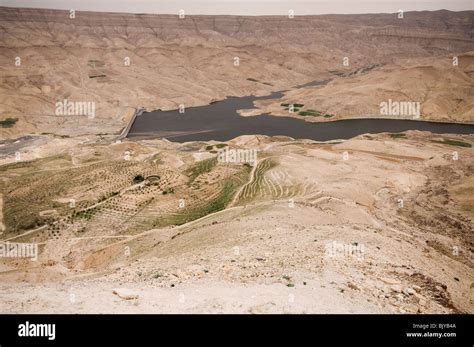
x,y
121,62
375,224
271,250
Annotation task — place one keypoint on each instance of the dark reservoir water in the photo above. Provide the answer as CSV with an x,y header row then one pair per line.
x,y
221,122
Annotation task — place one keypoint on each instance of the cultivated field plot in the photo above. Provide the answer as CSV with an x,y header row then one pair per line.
x,y
56,197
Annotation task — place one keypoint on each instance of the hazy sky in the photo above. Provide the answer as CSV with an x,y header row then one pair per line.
x,y
247,7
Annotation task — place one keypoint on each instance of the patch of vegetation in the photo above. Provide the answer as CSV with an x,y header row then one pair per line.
x,y
200,168
22,207
309,113
85,214
210,147
252,79
221,145
8,122
398,136
453,143
296,107
218,203
328,115
36,186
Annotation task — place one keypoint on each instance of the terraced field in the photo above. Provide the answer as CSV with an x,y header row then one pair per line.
x,y
273,182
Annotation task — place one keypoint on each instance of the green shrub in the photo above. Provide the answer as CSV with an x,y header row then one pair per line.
x,y
398,136
8,123
200,168
309,113
454,143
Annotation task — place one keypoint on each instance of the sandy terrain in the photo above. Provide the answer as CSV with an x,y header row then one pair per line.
x,y
274,249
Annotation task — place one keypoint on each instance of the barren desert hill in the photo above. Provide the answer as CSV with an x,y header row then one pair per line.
x,y
124,61
444,91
